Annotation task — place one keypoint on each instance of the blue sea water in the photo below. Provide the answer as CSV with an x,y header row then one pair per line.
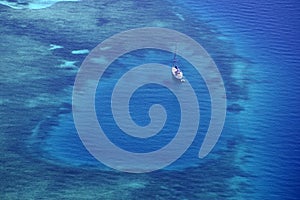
x,y
254,44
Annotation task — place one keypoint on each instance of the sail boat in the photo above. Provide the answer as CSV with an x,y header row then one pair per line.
x,y
176,72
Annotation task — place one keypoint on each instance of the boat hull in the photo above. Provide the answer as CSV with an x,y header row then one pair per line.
x,y
179,75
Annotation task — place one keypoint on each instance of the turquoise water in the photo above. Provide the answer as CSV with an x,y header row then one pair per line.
x,y
256,48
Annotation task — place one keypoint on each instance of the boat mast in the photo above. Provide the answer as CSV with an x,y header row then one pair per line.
x,y
175,54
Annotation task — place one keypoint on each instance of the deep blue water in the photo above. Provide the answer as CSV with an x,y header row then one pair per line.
x,y
256,48
269,35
